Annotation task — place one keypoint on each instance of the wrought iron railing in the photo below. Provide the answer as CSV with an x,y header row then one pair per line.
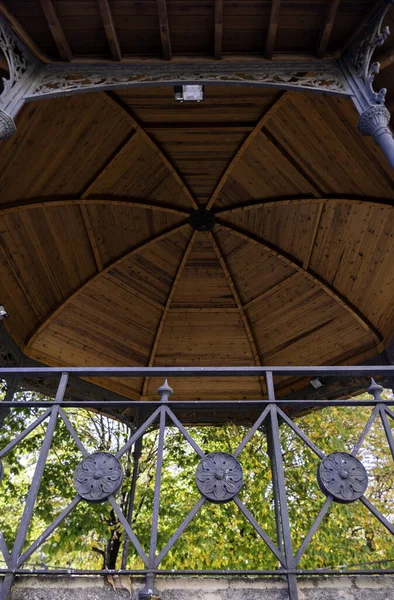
x,y
219,475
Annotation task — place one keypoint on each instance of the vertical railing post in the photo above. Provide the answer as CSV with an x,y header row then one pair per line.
x,y
275,486
149,592
34,489
283,506
136,463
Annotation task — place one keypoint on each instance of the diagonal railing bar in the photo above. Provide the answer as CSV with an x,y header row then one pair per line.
x,y
300,433
72,432
157,490
251,432
365,431
48,531
377,514
389,412
387,429
185,433
313,529
129,532
4,549
25,433
264,536
137,434
180,530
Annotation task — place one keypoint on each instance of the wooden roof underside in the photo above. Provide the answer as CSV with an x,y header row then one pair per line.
x,y
99,265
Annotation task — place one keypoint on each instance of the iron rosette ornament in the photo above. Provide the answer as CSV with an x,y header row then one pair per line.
x,y
219,477
342,476
98,476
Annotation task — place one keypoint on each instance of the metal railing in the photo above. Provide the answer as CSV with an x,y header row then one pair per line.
x,y
219,475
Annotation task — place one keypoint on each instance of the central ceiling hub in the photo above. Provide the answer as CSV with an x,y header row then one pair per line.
x,y
202,220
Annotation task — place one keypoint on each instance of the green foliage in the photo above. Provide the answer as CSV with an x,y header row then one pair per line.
x,y
219,537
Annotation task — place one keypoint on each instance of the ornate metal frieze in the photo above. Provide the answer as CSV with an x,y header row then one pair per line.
x,y
342,476
20,61
219,477
98,476
7,126
324,77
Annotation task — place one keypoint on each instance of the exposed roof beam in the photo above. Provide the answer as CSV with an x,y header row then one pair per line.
x,y
56,30
164,29
166,309
91,236
272,29
313,277
110,29
22,34
325,33
117,262
218,28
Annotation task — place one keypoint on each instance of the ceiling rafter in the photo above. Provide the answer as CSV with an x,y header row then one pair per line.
x,y
116,102
316,227
326,30
22,205
272,29
241,151
22,33
218,29
167,306
56,30
313,277
362,200
164,29
115,263
91,236
244,318
110,29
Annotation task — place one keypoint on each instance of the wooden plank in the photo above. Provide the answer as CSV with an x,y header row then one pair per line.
x,y
318,281
110,30
238,302
272,29
218,29
49,318
167,306
268,114
56,30
164,29
325,33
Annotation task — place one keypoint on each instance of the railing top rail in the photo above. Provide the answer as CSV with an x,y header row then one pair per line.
x,y
346,371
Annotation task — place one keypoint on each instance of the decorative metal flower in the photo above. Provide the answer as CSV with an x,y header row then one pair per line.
x,y
98,476
343,476
219,477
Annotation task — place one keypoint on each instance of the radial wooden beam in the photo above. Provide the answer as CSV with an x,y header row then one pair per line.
x,y
305,264
272,29
325,33
167,306
117,262
110,30
91,236
218,28
241,151
56,30
313,277
115,102
242,313
16,207
269,203
164,29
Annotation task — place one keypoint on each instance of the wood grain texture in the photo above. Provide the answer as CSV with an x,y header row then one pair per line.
x,y
164,29
110,30
56,30
272,28
324,36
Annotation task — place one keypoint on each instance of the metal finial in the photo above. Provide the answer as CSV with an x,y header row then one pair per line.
x,y
375,390
165,391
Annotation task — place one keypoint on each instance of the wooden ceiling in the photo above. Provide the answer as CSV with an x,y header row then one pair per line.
x,y
98,264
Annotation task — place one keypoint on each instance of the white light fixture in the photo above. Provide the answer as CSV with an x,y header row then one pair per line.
x,y
316,383
189,93
3,313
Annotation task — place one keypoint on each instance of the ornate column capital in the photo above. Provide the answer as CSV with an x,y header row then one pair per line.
x,y
374,121
7,126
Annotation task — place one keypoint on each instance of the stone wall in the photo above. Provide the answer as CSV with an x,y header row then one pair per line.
x,y
198,588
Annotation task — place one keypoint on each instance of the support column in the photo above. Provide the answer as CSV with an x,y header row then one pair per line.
x,y
375,121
